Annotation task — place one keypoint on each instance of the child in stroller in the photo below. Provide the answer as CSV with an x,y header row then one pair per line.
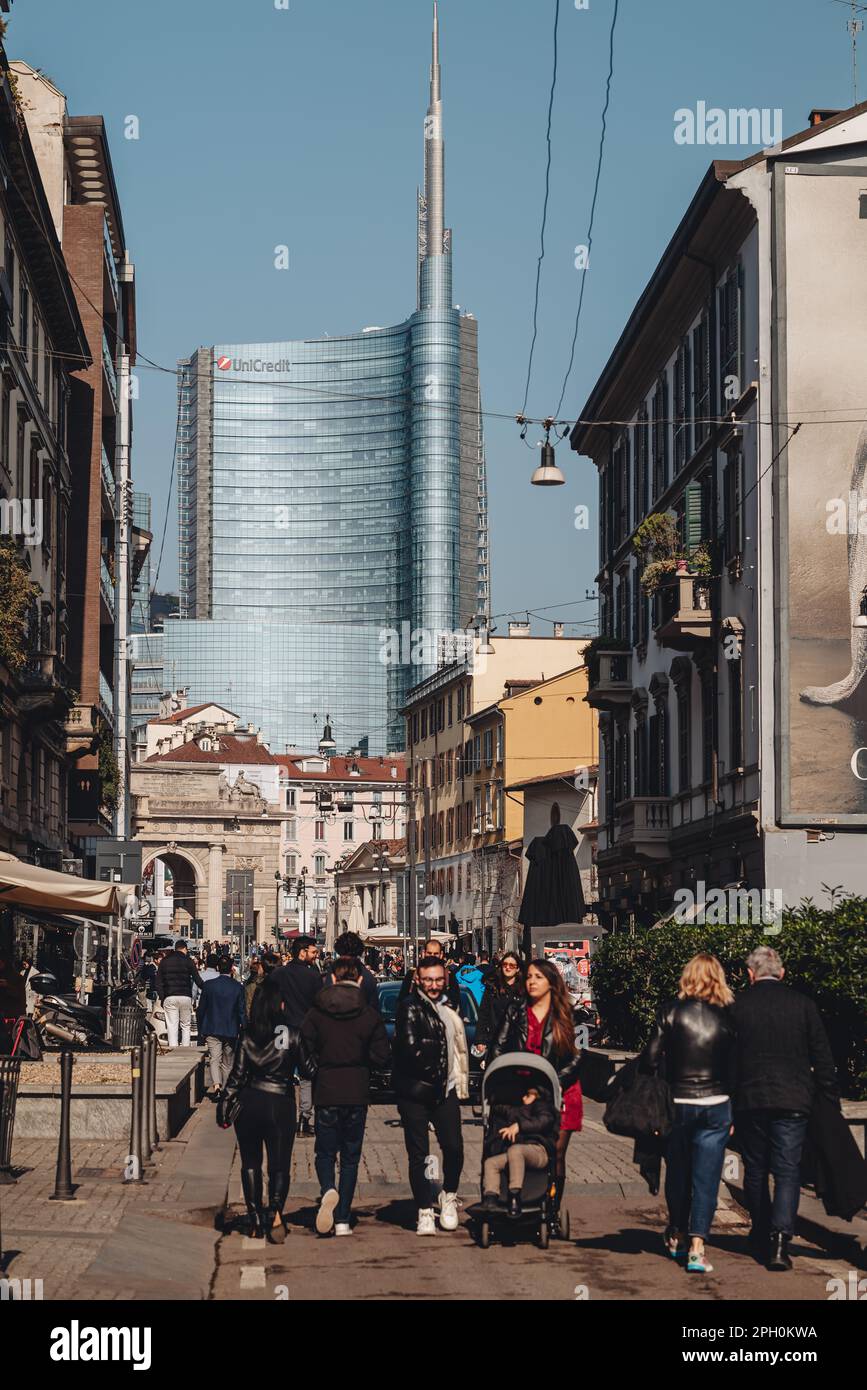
x,y
523,1136
521,1100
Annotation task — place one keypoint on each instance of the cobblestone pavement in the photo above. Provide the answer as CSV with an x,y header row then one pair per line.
x,y
168,1237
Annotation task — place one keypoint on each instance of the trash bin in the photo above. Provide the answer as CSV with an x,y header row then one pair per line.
x,y
10,1071
128,1025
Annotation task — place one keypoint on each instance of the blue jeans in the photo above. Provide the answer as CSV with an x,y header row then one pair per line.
x,y
694,1156
771,1142
339,1133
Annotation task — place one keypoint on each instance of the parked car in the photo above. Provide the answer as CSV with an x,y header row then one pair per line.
x,y
389,994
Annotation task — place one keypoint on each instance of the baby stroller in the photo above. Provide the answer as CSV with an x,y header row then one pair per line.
x,y
504,1082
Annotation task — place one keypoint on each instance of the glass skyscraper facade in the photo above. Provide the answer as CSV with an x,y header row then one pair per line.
x,y
331,492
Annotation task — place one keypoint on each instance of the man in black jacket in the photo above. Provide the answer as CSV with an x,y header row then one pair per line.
x,y
432,950
430,1075
300,981
351,944
342,1037
783,1058
176,977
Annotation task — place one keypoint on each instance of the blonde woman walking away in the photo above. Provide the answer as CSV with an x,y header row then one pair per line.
x,y
693,1044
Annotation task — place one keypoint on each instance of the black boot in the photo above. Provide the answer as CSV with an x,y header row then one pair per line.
x,y
251,1183
278,1190
515,1201
779,1258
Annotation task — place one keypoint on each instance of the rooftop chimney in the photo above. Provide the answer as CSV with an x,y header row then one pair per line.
x,y
519,629
558,629
820,114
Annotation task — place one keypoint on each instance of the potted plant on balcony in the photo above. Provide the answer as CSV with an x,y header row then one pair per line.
x,y
602,644
657,544
18,593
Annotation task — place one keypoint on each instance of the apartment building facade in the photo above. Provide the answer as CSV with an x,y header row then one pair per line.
x,y
725,595
464,831
75,165
42,339
330,807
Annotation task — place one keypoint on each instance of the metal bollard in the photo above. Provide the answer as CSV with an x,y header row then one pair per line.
x,y
63,1189
144,1102
153,1132
133,1172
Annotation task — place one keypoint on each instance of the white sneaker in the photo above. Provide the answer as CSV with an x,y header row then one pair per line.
x,y
426,1223
449,1211
343,1228
325,1214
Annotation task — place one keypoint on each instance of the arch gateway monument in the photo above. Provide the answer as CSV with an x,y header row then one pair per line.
x,y
220,837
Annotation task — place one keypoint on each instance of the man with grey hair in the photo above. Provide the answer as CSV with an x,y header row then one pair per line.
x,y
783,1058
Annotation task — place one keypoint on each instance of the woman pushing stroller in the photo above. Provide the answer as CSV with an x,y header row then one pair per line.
x,y
542,1022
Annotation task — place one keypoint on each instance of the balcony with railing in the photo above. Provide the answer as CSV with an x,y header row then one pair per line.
x,y
642,828
107,477
106,698
106,585
609,678
682,611
109,368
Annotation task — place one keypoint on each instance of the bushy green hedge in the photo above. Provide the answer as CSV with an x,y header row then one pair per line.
x,y
824,952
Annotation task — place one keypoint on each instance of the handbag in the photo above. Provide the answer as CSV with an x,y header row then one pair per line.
x,y
639,1106
228,1109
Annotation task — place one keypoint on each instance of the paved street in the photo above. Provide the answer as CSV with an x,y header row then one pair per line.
x,y
162,1239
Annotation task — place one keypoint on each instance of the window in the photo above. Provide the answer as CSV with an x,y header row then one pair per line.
x,y
376,830
319,865
489,747
736,715
320,830
349,830
730,363
291,828
707,722
701,379
658,737
639,758
684,733
460,702
682,406
23,314
621,761
441,714
424,722
660,438
291,868
620,489
477,752
621,616
449,766
450,827
640,501
451,710
733,539
477,810
501,735
5,401
460,875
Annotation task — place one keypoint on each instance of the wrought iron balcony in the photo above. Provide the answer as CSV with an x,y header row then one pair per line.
x,y
682,616
610,678
106,585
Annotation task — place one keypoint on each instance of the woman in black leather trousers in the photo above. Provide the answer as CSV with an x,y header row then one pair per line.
x,y
693,1046
262,1077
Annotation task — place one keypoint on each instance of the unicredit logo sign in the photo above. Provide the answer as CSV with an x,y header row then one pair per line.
x,y
253,364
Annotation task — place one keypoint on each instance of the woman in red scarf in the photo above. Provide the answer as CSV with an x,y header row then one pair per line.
x,y
542,1023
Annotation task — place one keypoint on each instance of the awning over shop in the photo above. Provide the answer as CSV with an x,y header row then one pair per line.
x,y
27,885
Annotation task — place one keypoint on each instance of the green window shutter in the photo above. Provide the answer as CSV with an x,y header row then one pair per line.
x,y
693,517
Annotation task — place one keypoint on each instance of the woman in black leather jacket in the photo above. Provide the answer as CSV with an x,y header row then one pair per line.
x,y
262,1078
692,1046
541,1022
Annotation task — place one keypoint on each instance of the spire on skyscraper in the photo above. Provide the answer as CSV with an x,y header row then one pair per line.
x,y
433,236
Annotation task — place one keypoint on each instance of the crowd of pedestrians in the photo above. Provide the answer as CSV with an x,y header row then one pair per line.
x,y
750,1065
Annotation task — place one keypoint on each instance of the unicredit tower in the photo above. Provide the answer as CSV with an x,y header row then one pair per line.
x,y
332,491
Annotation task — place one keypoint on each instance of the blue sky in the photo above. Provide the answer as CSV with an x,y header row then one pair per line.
x,y
303,126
